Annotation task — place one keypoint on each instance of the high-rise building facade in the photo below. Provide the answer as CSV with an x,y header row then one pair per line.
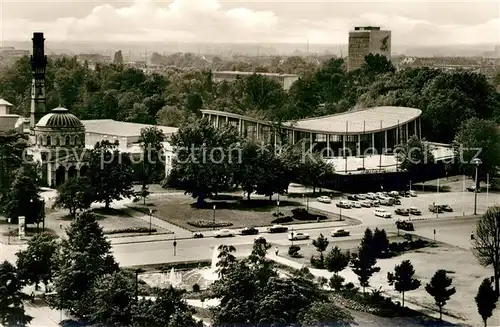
x,y
365,40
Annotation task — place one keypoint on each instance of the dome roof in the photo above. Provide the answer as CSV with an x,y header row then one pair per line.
x,y
59,118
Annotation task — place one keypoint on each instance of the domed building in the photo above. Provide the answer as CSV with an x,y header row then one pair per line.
x,y
59,146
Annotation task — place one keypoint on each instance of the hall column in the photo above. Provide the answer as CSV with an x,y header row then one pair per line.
x,y
240,125
358,146
385,141
373,141
406,130
50,174
328,146
258,131
415,128
310,141
66,174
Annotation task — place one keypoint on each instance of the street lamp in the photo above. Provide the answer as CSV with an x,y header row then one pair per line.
x,y
476,162
8,234
292,235
213,226
278,208
150,214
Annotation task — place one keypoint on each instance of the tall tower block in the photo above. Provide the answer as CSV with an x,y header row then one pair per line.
x,y
38,65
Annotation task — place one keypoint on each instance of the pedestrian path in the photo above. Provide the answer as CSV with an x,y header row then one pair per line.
x,y
176,230
351,277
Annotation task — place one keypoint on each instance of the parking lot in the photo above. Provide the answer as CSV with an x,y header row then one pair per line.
x,y
462,204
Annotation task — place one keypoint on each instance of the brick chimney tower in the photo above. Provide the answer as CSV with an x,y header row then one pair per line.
x,y
38,66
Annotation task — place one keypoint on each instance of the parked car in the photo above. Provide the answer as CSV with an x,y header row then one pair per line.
x,y
249,231
375,203
371,196
414,211
344,204
355,204
339,232
473,189
405,225
366,203
223,233
446,208
277,229
324,199
361,196
402,212
198,235
380,195
394,201
382,213
352,197
435,208
394,194
297,236
385,202
413,193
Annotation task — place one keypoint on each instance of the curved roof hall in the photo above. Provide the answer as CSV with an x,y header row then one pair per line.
x,y
59,118
366,120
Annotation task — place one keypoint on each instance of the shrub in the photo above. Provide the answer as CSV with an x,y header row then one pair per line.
x,y
278,214
201,223
293,251
299,212
196,288
317,263
303,214
129,230
282,220
306,273
336,282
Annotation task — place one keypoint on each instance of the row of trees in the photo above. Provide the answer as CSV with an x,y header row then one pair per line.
x,y
403,279
113,91
210,160
87,282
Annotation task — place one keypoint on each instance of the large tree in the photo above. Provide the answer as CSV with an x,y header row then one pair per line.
x,y
36,263
75,194
440,289
486,242
206,158
110,173
403,279
23,198
85,256
11,298
486,300
478,138
153,164
12,147
363,264
336,260
321,244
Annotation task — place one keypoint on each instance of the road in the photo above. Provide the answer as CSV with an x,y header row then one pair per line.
x,y
449,230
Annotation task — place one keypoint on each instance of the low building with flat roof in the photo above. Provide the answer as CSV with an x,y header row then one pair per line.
x,y
285,80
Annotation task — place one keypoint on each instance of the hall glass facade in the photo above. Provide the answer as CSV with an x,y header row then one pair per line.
x,y
331,144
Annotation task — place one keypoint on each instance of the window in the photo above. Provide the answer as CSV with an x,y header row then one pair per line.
x,y
66,141
77,140
49,140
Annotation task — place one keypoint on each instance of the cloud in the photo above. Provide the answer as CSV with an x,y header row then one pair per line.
x,y
253,21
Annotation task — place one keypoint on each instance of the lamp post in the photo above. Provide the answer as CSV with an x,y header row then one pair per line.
x,y
476,162
150,214
340,213
175,245
278,206
292,235
213,226
8,233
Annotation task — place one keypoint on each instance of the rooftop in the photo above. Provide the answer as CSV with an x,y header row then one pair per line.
x,y
120,128
5,103
366,120
229,72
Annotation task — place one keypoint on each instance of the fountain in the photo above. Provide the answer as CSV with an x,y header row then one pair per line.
x,y
201,276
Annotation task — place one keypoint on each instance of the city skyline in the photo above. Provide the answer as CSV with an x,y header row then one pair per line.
x,y
189,21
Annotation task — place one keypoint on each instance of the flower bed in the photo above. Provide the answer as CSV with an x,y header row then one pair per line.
x,y
130,230
201,223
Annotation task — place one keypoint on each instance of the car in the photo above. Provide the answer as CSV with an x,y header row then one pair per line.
x,y
198,235
339,232
324,199
405,225
297,236
277,229
473,189
371,196
361,196
413,193
446,208
402,212
414,211
386,202
395,201
435,208
366,203
352,197
223,233
355,204
380,195
344,204
249,231
375,203
382,213
394,194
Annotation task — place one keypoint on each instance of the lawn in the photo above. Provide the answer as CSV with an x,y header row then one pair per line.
x,y
230,209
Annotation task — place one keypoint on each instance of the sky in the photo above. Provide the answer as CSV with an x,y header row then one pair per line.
x,y
252,21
